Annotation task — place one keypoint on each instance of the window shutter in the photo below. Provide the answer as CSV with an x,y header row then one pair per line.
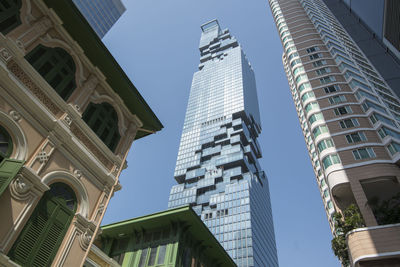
x,y
42,235
27,243
57,227
8,169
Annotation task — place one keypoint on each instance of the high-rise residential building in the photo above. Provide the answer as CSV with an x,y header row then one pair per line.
x,y
375,27
350,119
217,166
101,14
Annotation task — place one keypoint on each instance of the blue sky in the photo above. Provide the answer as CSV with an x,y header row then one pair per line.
x,y
156,43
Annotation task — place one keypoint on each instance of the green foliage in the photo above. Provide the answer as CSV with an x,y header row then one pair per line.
x,y
388,211
351,219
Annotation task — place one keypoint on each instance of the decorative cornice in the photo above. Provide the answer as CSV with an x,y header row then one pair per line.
x,y
35,90
20,187
25,182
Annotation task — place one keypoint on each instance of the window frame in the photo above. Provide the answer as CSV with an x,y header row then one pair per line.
x,y
102,118
369,151
13,12
56,66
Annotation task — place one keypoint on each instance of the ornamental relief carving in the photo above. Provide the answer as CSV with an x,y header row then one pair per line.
x,y
68,120
85,238
15,115
85,229
39,28
20,188
43,156
35,90
89,144
5,55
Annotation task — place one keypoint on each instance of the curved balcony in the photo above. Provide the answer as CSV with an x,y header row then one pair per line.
x,y
375,246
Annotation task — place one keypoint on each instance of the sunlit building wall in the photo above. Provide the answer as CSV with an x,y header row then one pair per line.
x,y
350,119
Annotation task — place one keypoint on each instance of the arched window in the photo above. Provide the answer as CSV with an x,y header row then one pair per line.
x,y
103,120
42,235
6,145
9,15
8,167
56,66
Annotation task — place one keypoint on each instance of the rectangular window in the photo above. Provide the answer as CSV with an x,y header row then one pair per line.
x,y
349,123
393,148
315,56
368,104
337,99
312,49
324,144
364,153
355,137
142,260
161,254
375,117
323,71
342,110
330,160
332,89
384,131
319,63
327,79
320,130
361,93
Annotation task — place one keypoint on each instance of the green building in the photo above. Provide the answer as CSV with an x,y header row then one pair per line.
x,y
176,237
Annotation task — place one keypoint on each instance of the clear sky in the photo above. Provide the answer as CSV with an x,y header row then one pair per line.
x,y
156,43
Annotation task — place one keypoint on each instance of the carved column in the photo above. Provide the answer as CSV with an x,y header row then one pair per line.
x,y
85,230
87,90
38,29
128,136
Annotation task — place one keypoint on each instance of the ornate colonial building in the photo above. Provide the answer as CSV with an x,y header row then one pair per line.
x,y
68,116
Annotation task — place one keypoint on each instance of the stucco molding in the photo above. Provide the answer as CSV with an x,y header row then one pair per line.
x,y
85,230
20,187
5,261
39,28
30,190
98,252
98,99
73,49
21,149
88,87
25,183
5,55
77,52
76,184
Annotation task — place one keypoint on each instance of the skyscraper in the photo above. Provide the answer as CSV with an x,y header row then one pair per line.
x,y
350,119
217,167
101,14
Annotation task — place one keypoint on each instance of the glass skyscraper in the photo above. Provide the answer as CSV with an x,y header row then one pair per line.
x,y
217,166
101,14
